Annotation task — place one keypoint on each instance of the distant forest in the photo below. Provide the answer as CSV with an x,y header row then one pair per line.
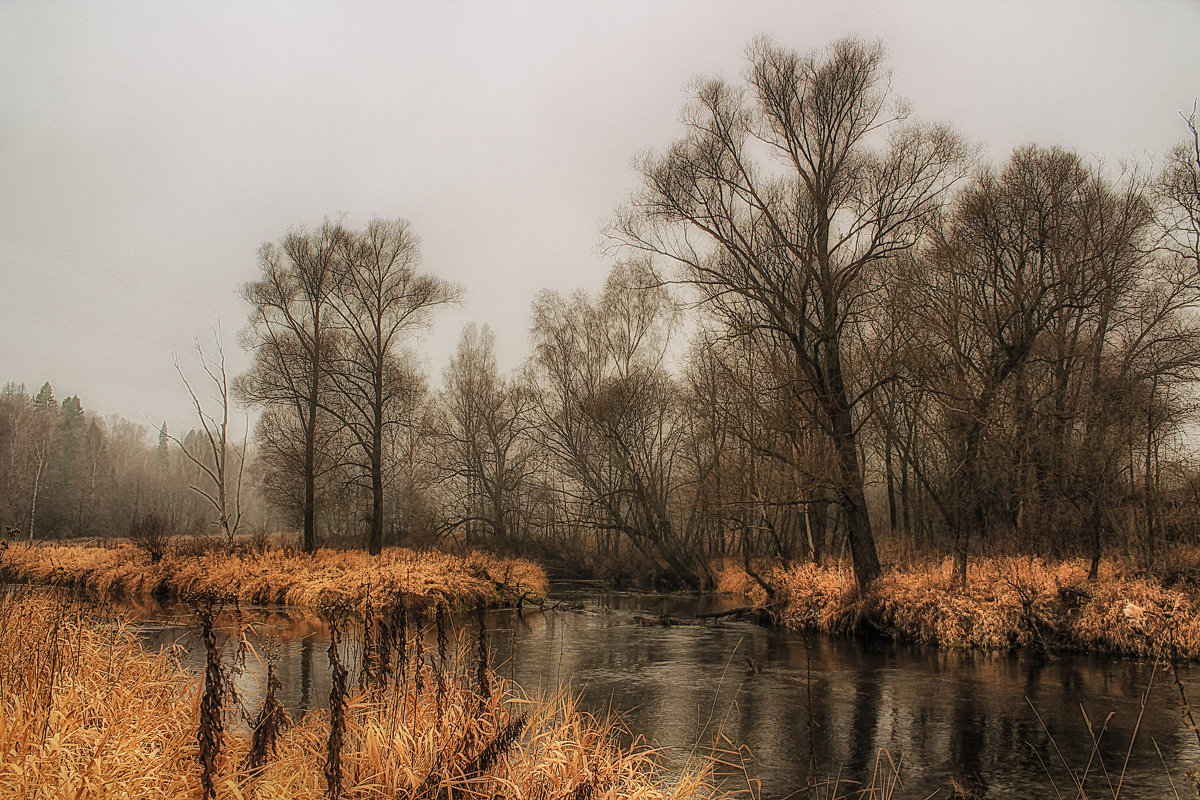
x,y
830,332
67,473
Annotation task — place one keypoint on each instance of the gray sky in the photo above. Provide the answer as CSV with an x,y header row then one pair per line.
x,y
147,149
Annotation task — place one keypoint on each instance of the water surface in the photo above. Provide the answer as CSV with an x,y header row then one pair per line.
x,y
943,715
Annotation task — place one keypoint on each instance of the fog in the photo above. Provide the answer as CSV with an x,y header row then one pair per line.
x,y
147,149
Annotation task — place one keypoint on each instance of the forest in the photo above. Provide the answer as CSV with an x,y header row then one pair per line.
x,y
832,332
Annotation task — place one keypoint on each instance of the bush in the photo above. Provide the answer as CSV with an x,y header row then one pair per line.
x,y
151,533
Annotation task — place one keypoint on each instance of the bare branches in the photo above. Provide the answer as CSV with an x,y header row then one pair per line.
x,y
792,251
226,499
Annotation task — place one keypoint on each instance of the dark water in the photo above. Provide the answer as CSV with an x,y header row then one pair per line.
x,y
941,715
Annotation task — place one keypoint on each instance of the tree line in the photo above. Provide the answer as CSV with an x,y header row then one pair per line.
x,y
67,473
829,324
831,331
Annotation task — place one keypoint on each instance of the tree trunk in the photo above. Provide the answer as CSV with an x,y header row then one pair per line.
x,y
309,544
1097,517
375,538
854,501
37,482
891,484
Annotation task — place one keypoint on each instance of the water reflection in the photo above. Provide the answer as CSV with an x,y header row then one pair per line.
x,y
941,714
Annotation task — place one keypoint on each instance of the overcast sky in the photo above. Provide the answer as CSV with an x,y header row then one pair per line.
x,y
147,149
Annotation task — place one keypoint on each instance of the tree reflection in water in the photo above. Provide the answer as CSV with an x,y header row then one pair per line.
x,y
944,715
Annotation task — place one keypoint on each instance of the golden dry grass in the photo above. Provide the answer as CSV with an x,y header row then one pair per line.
x,y
328,577
1009,602
85,711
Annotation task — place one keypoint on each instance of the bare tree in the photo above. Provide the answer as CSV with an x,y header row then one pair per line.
x,y
610,417
486,420
1036,324
381,300
224,476
1179,195
791,245
289,332
767,472
279,464
42,436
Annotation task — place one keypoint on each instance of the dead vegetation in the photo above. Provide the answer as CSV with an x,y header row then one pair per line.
x,y
86,711
326,578
1008,603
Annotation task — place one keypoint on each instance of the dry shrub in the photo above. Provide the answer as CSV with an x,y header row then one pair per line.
x,y
151,533
1139,616
824,598
86,712
732,579
327,578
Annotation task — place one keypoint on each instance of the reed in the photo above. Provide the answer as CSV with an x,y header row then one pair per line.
x,y
211,730
85,711
1010,602
328,577
337,715
272,719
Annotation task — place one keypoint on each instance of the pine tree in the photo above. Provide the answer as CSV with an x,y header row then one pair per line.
x,y
162,458
45,411
69,485
44,401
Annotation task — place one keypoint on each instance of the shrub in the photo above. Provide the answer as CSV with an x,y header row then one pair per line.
x,y
152,534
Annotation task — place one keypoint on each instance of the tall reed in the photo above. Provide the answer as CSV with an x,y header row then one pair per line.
x,y
211,729
337,714
121,724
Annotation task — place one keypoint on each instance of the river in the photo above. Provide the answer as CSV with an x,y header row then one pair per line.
x,y
1000,725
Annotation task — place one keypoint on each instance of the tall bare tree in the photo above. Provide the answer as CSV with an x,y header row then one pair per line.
x,y
486,424
289,332
1179,194
380,302
780,204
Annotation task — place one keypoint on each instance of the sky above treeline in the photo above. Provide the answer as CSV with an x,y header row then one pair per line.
x,y
148,149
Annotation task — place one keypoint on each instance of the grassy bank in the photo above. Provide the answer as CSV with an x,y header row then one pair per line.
x,y
1013,602
326,578
86,712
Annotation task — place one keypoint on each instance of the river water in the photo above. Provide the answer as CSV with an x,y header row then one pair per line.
x,y
1000,725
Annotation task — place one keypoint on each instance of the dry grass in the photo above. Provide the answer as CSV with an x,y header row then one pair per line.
x,y
327,578
1009,602
86,712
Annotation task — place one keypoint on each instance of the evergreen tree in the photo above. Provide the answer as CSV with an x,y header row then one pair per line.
x,y
44,401
68,487
162,458
44,428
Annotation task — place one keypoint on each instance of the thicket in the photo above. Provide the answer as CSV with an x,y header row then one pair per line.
x,y
67,473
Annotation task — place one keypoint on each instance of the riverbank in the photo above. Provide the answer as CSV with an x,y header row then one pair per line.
x,y
327,578
85,711
1009,603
